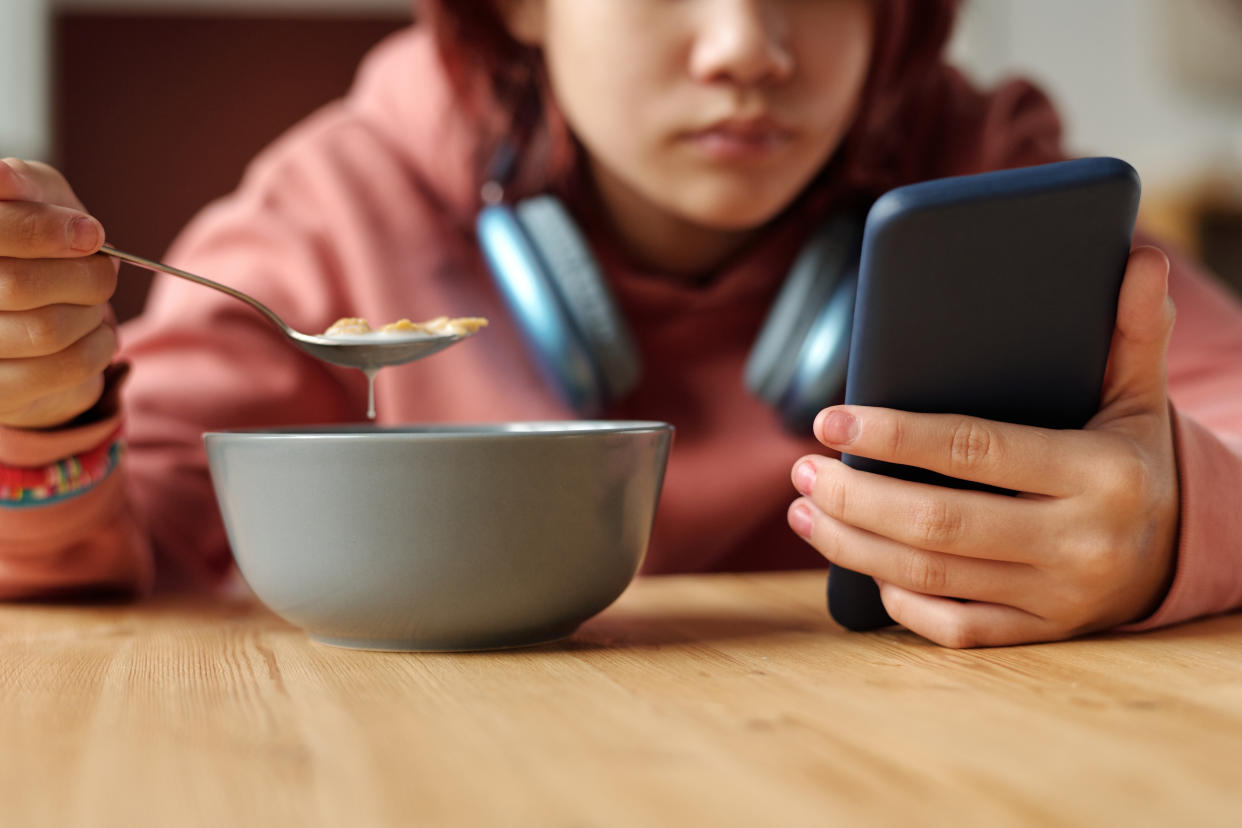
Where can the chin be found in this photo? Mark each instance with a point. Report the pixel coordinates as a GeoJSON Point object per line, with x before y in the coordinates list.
{"type": "Point", "coordinates": [734, 211]}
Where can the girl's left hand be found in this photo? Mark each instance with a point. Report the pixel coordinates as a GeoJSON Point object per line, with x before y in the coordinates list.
{"type": "Point", "coordinates": [1087, 544]}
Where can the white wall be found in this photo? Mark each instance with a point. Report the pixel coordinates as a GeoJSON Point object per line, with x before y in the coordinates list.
{"type": "Point", "coordinates": [1106, 64]}
{"type": "Point", "coordinates": [24, 129]}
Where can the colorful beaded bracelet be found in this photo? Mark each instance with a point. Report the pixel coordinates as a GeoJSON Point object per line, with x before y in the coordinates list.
{"type": "Point", "coordinates": [70, 477]}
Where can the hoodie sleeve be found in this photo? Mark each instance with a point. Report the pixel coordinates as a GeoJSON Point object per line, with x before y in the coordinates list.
{"type": "Point", "coordinates": [1205, 386]}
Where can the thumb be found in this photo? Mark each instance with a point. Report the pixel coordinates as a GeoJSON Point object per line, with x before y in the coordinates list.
{"type": "Point", "coordinates": [1134, 380]}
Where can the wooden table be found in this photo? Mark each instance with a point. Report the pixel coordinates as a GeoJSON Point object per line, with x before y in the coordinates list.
{"type": "Point", "coordinates": [693, 701]}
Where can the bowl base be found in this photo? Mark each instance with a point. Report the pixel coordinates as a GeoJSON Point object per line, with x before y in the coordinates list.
{"type": "Point", "coordinates": [527, 638]}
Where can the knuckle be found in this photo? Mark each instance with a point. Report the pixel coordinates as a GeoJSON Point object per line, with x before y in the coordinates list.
{"type": "Point", "coordinates": [107, 345]}
{"type": "Point", "coordinates": [98, 277]}
{"type": "Point", "coordinates": [1131, 468]}
{"type": "Point", "coordinates": [82, 396]}
{"type": "Point", "coordinates": [971, 445]}
{"type": "Point", "coordinates": [959, 634]}
{"type": "Point", "coordinates": [44, 330]}
{"type": "Point", "coordinates": [19, 388]}
{"type": "Point", "coordinates": [53, 328]}
{"type": "Point", "coordinates": [66, 368]}
{"type": "Point", "coordinates": [1100, 559]}
{"type": "Point", "coordinates": [12, 292]}
{"type": "Point", "coordinates": [1125, 475]}
{"type": "Point", "coordinates": [85, 358]}
{"type": "Point", "coordinates": [1090, 564]}
{"type": "Point", "coordinates": [832, 494]}
{"type": "Point", "coordinates": [926, 573]}
{"type": "Point", "coordinates": [823, 537]}
{"type": "Point", "coordinates": [23, 284]}
{"type": "Point", "coordinates": [27, 284]}
{"type": "Point", "coordinates": [896, 435]}
{"type": "Point", "coordinates": [30, 229]}
{"type": "Point", "coordinates": [935, 523]}
{"type": "Point", "coordinates": [79, 366]}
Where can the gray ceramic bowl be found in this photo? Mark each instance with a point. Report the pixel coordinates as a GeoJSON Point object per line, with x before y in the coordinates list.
{"type": "Point", "coordinates": [440, 537]}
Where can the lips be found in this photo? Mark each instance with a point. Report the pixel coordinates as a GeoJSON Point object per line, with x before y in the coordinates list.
{"type": "Point", "coordinates": [740, 138]}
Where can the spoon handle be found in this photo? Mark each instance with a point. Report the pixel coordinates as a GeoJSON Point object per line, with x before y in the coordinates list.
{"type": "Point", "coordinates": [184, 274]}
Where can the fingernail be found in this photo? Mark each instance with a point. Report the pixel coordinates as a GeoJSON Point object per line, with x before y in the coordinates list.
{"type": "Point", "coordinates": [839, 427]}
{"type": "Point", "coordinates": [84, 233]}
{"type": "Point", "coordinates": [800, 519]}
{"type": "Point", "coordinates": [804, 477]}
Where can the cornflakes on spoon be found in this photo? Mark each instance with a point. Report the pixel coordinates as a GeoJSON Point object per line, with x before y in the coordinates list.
{"type": "Point", "coordinates": [351, 327]}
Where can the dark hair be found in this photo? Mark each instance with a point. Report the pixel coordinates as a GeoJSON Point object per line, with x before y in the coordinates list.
{"type": "Point", "coordinates": [502, 85]}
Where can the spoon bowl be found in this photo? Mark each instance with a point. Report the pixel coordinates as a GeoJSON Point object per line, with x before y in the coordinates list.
{"type": "Point", "coordinates": [368, 353]}
{"type": "Point", "coordinates": [371, 353]}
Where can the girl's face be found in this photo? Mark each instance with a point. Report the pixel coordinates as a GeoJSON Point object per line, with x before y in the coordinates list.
{"type": "Point", "coordinates": [715, 112]}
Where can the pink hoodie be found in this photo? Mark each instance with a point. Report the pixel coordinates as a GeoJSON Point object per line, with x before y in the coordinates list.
{"type": "Point", "coordinates": [365, 210]}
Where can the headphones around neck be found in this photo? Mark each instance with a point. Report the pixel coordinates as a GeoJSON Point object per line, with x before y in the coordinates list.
{"type": "Point", "coordinates": [561, 302]}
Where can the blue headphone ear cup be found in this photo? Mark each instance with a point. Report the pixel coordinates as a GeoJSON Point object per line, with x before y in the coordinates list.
{"type": "Point", "coordinates": [584, 291]}
{"type": "Point", "coordinates": [520, 272]}
{"type": "Point", "coordinates": [798, 361]}
{"type": "Point", "coordinates": [822, 361]}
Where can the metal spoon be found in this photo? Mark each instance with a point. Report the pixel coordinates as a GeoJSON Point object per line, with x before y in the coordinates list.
{"type": "Point", "coordinates": [368, 354]}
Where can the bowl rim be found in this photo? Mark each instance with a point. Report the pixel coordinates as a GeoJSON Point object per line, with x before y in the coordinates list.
{"type": "Point", "coordinates": [441, 431]}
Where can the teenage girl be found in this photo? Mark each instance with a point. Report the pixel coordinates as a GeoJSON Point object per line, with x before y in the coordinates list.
{"type": "Point", "coordinates": [696, 147]}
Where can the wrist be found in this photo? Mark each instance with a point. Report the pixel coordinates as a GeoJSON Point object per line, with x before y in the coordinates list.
{"type": "Point", "coordinates": [61, 479]}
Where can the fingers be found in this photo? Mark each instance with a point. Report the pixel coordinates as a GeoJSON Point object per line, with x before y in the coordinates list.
{"type": "Point", "coordinates": [59, 407]}
{"type": "Point", "coordinates": [1136, 359]}
{"type": "Point", "coordinates": [46, 330]}
{"type": "Point", "coordinates": [32, 283]}
{"type": "Point", "coordinates": [56, 337]}
{"type": "Point", "coordinates": [33, 230]}
{"type": "Point", "coordinates": [961, 625]}
{"type": "Point", "coordinates": [935, 518]}
{"type": "Point", "coordinates": [40, 217]}
{"type": "Point", "coordinates": [33, 378]}
{"type": "Point", "coordinates": [1016, 457]}
{"type": "Point", "coordinates": [934, 573]}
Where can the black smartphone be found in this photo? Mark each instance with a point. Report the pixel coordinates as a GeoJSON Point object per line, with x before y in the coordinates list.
{"type": "Point", "coordinates": [990, 295]}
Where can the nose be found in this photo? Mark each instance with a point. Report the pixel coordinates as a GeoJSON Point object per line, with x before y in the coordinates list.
{"type": "Point", "coordinates": [743, 42]}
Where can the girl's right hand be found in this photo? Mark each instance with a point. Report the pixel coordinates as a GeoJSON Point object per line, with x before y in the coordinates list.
{"type": "Point", "coordinates": [56, 329]}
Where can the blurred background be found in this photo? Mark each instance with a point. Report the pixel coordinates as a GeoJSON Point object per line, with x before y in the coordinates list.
{"type": "Point", "coordinates": [153, 107]}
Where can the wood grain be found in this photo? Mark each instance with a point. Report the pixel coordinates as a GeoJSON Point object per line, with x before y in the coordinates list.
{"type": "Point", "coordinates": [695, 700]}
